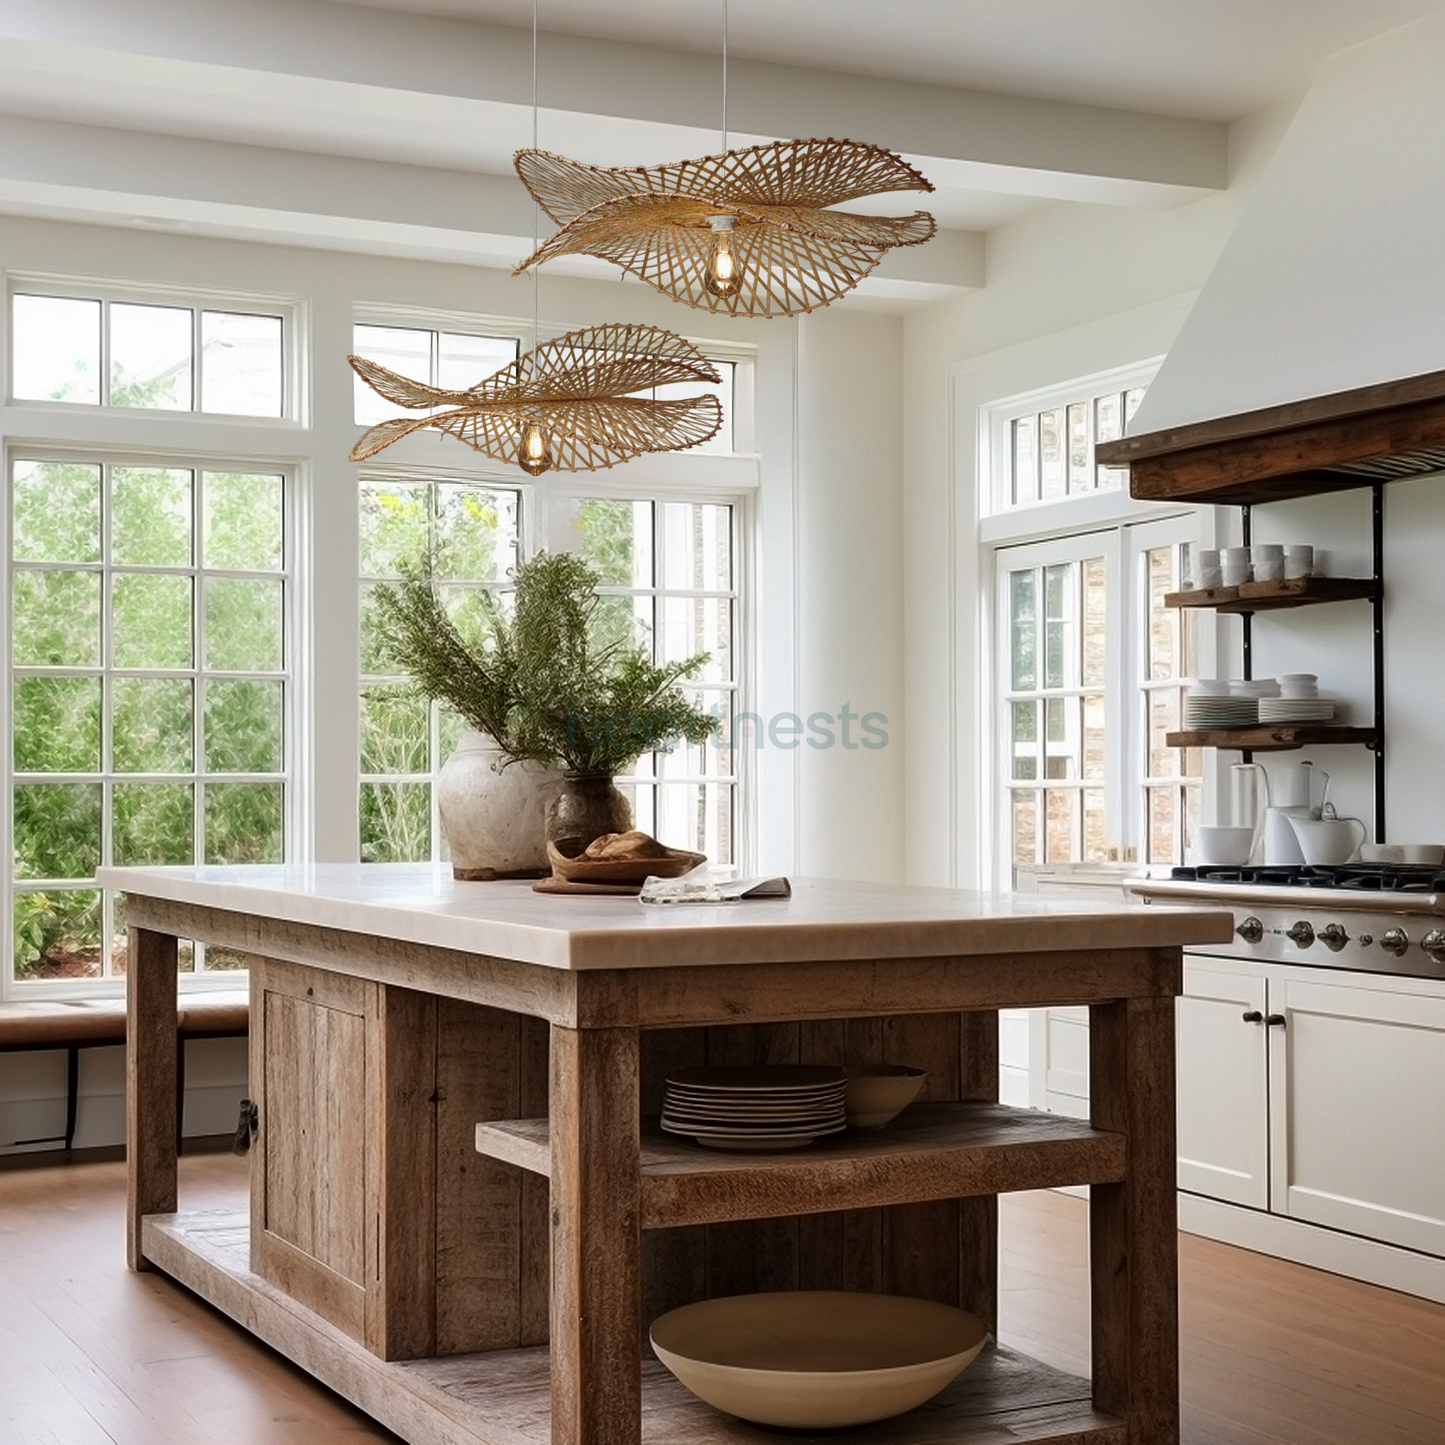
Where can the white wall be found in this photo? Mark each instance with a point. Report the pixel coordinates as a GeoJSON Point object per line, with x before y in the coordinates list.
{"type": "Point", "coordinates": [850, 588]}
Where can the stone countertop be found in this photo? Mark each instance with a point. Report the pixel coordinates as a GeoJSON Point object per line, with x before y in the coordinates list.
{"type": "Point", "coordinates": [822, 921]}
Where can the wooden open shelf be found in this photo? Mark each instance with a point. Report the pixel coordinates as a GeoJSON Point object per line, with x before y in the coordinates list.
{"type": "Point", "coordinates": [931, 1151]}
{"type": "Point", "coordinates": [503, 1397]}
{"type": "Point", "coordinates": [1272, 737]}
{"type": "Point", "coordinates": [1275, 596]}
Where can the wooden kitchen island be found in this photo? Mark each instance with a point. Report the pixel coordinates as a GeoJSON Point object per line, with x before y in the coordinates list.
{"type": "Point", "coordinates": [463, 1219]}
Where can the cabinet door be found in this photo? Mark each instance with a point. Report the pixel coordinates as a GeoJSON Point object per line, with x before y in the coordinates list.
{"type": "Point", "coordinates": [1223, 1101]}
{"type": "Point", "coordinates": [309, 1196]}
{"type": "Point", "coordinates": [1358, 1095]}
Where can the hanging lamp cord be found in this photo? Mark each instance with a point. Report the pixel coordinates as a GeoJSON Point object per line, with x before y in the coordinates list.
{"type": "Point", "coordinates": [536, 219]}
{"type": "Point", "coordinates": [725, 74]}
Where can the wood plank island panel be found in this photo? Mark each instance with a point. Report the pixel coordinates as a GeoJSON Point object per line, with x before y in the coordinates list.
{"type": "Point", "coordinates": [931, 1152]}
{"type": "Point", "coordinates": [502, 1397]}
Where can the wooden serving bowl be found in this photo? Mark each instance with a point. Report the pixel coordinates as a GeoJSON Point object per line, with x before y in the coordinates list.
{"type": "Point", "coordinates": [816, 1359]}
{"type": "Point", "coordinates": [567, 863]}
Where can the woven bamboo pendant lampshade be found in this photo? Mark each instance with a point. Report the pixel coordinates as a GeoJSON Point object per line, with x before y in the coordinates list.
{"type": "Point", "coordinates": [576, 395]}
{"type": "Point", "coordinates": [788, 252]}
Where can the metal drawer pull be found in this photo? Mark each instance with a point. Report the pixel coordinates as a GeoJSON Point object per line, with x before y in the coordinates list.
{"type": "Point", "coordinates": [1274, 1021]}
{"type": "Point", "coordinates": [1253, 1017]}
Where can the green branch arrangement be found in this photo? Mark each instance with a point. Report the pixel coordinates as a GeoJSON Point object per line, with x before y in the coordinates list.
{"type": "Point", "coordinates": [537, 680]}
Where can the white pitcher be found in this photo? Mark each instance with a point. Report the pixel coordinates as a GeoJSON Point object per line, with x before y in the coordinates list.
{"type": "Point", "coordinates": [1328, 840]}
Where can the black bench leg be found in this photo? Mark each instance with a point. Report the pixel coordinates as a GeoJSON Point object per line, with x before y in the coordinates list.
{"type": "Point", "coordinates": [72, 1092]}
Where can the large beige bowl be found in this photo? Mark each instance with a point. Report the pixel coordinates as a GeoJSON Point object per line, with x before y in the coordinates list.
{"type": "Point", "coordinates": [879, 1092]}
{"type": "Point", "coordinates": [816, 1359]}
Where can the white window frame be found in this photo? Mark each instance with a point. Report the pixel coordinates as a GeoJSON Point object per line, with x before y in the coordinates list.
{"type": "Point", "coordinates": [294, 830]}
{"type": "Point", "coordinates": [294, 326]}
{"type": "Point", "coordinates": [1045, 530]}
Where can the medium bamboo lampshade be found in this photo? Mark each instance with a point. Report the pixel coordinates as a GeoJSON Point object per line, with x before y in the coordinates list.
{"type": "Point", "coordinates": [579, 390]}
{"type": "Point", "coordinates": [791, 253]}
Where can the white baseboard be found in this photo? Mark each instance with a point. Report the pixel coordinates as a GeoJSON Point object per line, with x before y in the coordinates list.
{"type": "Point", "coordinates": [1347, 1254]}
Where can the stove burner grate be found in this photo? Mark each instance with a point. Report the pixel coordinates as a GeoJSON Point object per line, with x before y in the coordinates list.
{"type": "Point", "coordinates": [1359, 877]}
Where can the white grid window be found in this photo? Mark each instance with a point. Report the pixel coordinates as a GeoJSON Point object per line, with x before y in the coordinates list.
{"type": "Point", "coordinates": [466, 537]}
{"type": "Point", "coordinates": [148, 680]}
{"type": "Point", "coordinates": [668, 574]}
{"type": "Point", "coordinates": [147, 354]}
{"type": "Point", "coordinates": [669, 583]}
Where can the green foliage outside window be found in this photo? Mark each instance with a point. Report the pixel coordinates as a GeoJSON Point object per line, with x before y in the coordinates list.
{"type": "Point", "coordinates": [168, 791]}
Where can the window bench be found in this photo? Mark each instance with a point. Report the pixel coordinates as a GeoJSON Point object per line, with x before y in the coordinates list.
{"type": "Point", "coordinates": [75, 1024]}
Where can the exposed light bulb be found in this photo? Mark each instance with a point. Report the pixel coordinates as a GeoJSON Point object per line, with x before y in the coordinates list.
{"type": "Point", "coordinates": [721, 276]}
{"type": "Point", "coordinates": [534, 455]}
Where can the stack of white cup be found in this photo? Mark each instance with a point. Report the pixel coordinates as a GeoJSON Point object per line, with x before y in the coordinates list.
{"type": "Point", "coordinates": [1234, 566]}
{"type": "Point", "coordinates": [1299, 560]}
{"type": "Point", "coordinates": [1266, 561]}
{"type": "Point", "coordinates": [1206, 569]}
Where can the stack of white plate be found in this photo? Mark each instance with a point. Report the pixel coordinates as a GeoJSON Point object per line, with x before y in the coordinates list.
{"type": "Point", "coordinates": [1296, 709]}
{"type": "Point", "coordinates": [771, 1106]}
{"type": "Point", "coordinates": [1205, 711]}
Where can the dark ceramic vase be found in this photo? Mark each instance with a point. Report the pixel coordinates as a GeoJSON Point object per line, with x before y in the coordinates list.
{"type": "Point", "coordinates": [588, 806]}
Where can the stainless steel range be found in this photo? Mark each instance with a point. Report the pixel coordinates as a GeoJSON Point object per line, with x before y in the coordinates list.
{"type": "Point", "coordinates": [1374, 918]}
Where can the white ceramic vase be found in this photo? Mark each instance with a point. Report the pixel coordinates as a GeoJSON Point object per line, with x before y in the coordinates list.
{"type": "Point", "coordinates": [494, 816]}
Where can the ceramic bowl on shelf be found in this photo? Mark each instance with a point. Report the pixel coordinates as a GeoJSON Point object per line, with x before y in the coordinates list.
{"type": "Point", "coordinates": [879, 1092]}
{"type": "Point", "coordinates": [816, 1359]}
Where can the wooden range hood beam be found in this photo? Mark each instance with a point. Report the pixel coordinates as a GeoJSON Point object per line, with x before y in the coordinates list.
{"type": "Point", "coordinates": [1326, 443]}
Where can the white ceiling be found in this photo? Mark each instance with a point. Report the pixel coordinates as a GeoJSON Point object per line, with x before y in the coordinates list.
{"type": "Point", "coordinates": [1208, 59]}
{"type": "Point", "coordinates": [388, 125]}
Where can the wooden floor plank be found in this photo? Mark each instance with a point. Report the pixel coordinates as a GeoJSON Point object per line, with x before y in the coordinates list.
{"type": "Point", "coordinates": [1273, 1353]}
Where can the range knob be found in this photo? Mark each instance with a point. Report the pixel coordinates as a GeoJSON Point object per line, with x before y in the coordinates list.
{"type": "Point", "coordinates": [1434, 944]}
{"type": "Point", "coordinates": [1251, 930]}
{"type": "Point", "coordinates": [1334, 937]}
{"type": "Point", "coordinates": [1302, 934]}
{"type": "Point", "coordinates": [1395, 940]}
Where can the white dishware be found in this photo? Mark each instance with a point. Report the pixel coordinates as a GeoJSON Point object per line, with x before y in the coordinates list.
{"type": "Point", "coordinates": [816, 1359]}
{"type": "Point", "coordinates": [1329, 840]}
{"type": "Point", "coordinates": [1280, 846]}
{"type": "Point", "coordinates": [1223, 843]}
{"type": "Point", "coordinates": [1266, 562]}
{"type": "Point", "coordinates": [1234, 566]}
{"type": "Point", "coordinates": [1206, 568]}
{"type": "Point", "coordinates": [1296, 709]}
{"type": "Point", "coordinates": [1299, 560]}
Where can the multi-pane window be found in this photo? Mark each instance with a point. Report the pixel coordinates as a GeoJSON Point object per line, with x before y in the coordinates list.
{"type": "Point", "coordinates": [467, 538]}
{"type": "Point", "coordinates": [1055, 708]}
{"type": "Point", "coordinates": [156, 355]}
{"type": "Point", "coordinates": [454, 360]}
{"type": "Point", "coordinates": [669, 584]}
{"type": "Point", "coordinates": [148, 681]}
{"type": "Point", "coordinates": [1048, 451]}
{"type": "Point", "coordinates": [1172, 776]}
{"type": "Point", "coordinates": [1093, 671]}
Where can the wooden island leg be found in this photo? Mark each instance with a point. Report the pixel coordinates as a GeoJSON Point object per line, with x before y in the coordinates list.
{"type": "Point", "coordinates": [596, 1287]}
{"type": "Point", "coordinates": [979, 1214]}
{"type": "Point", "coordinates": [150, 1083]}
{"type": "Point", "coordinates": [1133, 1226]}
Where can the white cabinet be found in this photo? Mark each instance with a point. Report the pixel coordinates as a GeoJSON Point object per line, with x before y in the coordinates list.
{"type": "Point", "coordinates": [1223, 1089]}
{"type": "Point", "coordinates": [1324, 1105]}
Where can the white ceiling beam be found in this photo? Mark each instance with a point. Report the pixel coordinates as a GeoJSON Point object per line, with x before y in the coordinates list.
{"type": "Point", "coordinates": [75, 172]}
{"type": "Point", "coordinates": [454, 92]}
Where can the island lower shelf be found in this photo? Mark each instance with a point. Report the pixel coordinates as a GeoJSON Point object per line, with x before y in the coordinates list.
{"type": "Point", "coordinates": [503, 1397]}
{"type": "Point", "coordinates": [931, 1151]}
